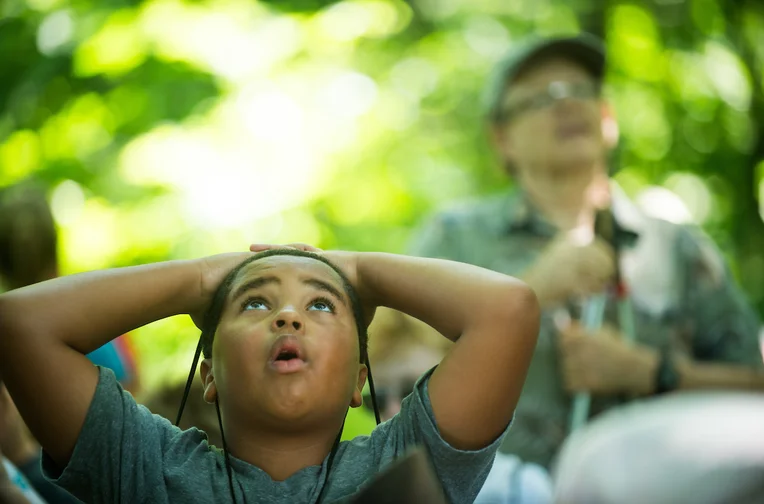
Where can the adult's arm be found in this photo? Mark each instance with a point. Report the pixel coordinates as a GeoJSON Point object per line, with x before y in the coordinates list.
{"type": "Point", "coordinates": [723, 324]}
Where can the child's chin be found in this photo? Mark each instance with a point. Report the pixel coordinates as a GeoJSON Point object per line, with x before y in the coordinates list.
{"type": "Point", "coordinates": [302, 413]}
{"type": "Point", "coordinates": [296, 410]}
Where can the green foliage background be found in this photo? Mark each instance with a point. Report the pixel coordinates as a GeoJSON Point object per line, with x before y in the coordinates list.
{"type": "Point", "coordinates": [170, 129]}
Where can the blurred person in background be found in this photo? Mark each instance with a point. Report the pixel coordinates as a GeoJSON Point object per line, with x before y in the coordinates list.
{"type": "Point", "coordinates": [28, 255]}
{"type": "Point", "coordinates": [401, 349]}
{"type": "Point", "coordinates": [15, 488]}
{"type": "Point", "coordinates": [554, 135]}
{"type": "Point", "coordinates": [164, 401]}
{"type": "Point", "coordinates": [691, 448]}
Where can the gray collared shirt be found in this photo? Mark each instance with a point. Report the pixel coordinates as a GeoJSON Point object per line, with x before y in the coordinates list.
{"type": "Point", "coordinates": [683, 296]}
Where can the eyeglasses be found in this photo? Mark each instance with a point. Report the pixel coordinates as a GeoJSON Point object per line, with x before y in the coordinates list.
{"type": "Point", "coordinates": [555, 91]}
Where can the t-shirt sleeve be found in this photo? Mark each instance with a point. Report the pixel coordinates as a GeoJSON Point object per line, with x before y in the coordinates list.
{"type": "Point", "coordinates": [119, 449]}
{"type": "Point", "coordinates": [461, 472]}
{"type": "Point", "coordinates": [725, 325]}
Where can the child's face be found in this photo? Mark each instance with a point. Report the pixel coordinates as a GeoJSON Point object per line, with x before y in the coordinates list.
{"type": "Point", "coordinates": [286, 348]}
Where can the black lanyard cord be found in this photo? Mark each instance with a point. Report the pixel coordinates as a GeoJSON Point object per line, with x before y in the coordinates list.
{"type": "Point", "coordinates": [229, 470]}
{"type": "Point", "coordinates": [225, 452]}
{"type": "Point", "coordinates": [189, 381]}
{"type": "Point", "coordinates": [373, 392]}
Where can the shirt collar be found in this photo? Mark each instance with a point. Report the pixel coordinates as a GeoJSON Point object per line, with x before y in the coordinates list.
{"type": "Point", "coordinates": [517, 213]}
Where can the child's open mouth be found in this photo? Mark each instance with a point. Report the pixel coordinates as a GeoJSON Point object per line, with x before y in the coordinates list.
{"type": "Point", "coordinates": [287, 355]}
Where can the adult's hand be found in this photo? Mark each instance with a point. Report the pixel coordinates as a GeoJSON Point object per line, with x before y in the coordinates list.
{"type": "Point", "coordinates": [604, 363]}
{"type": "Point", "coordinates": [566, 269]}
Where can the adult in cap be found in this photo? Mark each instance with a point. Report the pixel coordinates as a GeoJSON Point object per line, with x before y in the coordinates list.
{"type": "Point", "coordinates": [555, 134]}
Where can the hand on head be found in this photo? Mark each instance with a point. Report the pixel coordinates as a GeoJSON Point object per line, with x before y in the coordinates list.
{"type": "Point", "coordinates": [212, 272]}
{"type": "Point", "coordinates": [345, 261]}
{"type": "Point", "coordinates": [214, 269]}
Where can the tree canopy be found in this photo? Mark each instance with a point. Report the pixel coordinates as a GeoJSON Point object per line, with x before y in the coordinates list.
{"type": "Point", "coordinates": [175, 129]}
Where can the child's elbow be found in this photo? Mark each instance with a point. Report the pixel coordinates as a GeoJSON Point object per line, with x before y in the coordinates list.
{"type": "Point", "coordinates": [521, 308]}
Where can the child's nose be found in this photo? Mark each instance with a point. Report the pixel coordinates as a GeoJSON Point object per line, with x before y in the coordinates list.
{"type": "Point", "coordinates": [287, 319]}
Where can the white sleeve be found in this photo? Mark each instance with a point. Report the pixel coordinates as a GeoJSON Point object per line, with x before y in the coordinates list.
{"type": "Point", "coordinates": [21, 483]}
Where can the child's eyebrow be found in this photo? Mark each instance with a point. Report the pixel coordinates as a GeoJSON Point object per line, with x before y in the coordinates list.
{"type": "Point", "coordinates": [254, 284]}
{"type": "Point", "coordinates": [325, 286]}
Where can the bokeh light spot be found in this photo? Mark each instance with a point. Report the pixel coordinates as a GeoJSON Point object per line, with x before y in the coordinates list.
{"type": "Point", "coordinates": [351, 19]}
{"type": "Point", "coordinates": [486, 36]}
{"type": "Point", "coordinates": [55, 31]}
{"type": "Point", "coordinates": [67, 202]}
{"type": "Point", "coordinates": [43, 5]}
{"type": "Point", "coordinates": [271, 116]}
{"type": "Point", "coordinates": [634, 45]}
{"type": "Point", "coordinates": [417, 77]}
{"type": "Point", "coordinates": [96, 237]}
{"type": "Point", "coordinates": [693, 192]}
{"type": "Point", "coordinates": [731, 79]}
{"type": "Point", "coordinates": [350, 95]}
{"type": "Point", "coordinates": [661, 203]}
{"type": "Point", "coordinates": [20, 155]}
{"type": "Point", "coordinates": [116, 48]}
{"type": "Point", "coordinates": [642, 119]}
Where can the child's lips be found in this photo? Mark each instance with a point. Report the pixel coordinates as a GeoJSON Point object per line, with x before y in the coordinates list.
{"type": "Point", "coordinates": [287, 355]}
{"type": "Point", "coordinates": [288, 366]}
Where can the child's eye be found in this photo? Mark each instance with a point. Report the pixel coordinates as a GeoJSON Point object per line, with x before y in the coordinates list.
{"type": "Point", "coordinates": [323, 305]}
{"type": "Point", "coordinates": [254, 304]}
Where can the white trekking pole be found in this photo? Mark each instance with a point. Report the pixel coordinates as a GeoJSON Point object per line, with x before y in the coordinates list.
{"type": "Point", "coordinates": [591, 318]}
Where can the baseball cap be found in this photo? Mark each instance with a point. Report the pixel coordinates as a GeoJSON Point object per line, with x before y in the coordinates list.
{"type": "Point", "coordinates": [585, 49]}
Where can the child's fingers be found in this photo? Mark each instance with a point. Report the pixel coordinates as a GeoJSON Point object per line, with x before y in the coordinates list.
{"type": "Point", "coordinates": [305, 247]}
{"type": "Point", "coordinates": [259, 247]}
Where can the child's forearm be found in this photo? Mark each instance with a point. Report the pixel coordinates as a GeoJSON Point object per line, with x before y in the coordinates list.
{"type": "Point", "coordinates": [451, 297]}
{"type": "Point", "coordinates": [87, 310]}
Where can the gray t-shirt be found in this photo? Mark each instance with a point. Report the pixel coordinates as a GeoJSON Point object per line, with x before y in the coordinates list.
{"type": "Point", "coordinates": [126, 454]}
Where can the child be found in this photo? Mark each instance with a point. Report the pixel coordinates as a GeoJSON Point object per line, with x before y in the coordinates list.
{"type": "Point", "coordinates": [15, 488]}
{"type": "Point", "coordinates": [29, 254]}
{"type": "Point", "coordinates": [284, 338]}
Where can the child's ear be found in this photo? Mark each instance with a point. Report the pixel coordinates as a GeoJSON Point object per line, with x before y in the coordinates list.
{"type": "Point", "coordinates": [208, 379]}
{"type": "Point", "coordinates": [357, 399]}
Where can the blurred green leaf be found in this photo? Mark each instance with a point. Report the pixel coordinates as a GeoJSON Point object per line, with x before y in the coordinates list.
{"type": "Point", "coordinates": [173, 129]}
